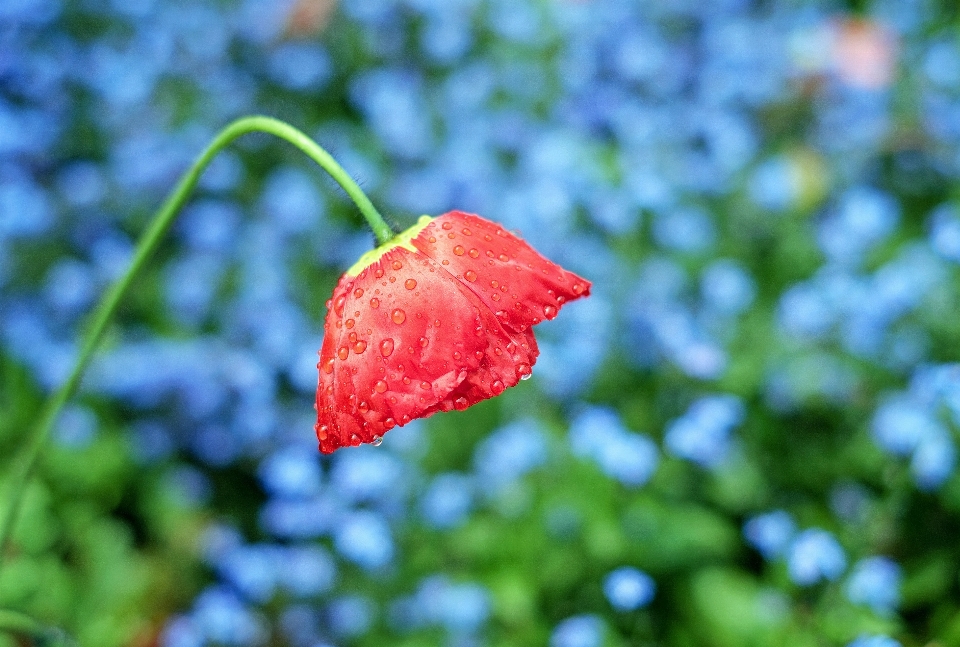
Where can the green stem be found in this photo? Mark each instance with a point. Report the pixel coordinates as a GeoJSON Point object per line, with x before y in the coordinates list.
{"type": "Point", "coordinates": [30, 451]}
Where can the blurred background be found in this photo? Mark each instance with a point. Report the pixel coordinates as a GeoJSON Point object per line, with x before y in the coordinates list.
{"type": "Point", "coordinates": [746, 435]}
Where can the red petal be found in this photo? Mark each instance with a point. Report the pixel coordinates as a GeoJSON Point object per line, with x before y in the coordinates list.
{"type": "Point", "coordinates": [518, 284]}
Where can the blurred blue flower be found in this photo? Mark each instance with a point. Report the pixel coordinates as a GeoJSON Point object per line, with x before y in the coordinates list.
{"type": "Point", "coordinates": [222, 618]}
{"type": "Point", "coordinates": [510, 452]}
{"type": "Point", "coordinates": [364, 538]}
{"type": "Point", "coordinates": [863, 218]}
{"type": "Point", "coordinates": [350, 616]}
{"type": "Point", "coordinates": [300, 519]}
{"type": "Point", "coordinates": [292, 200]}
{"type": "Point", "coordinates": [448, 499]}
{"type": "Point", "coordinates": [702, 434]}
{"type": "Point", "coordinates": [300, 66]}
{"type": "Point", "coordinates": [770, 533]}
{"type": "Point", "coordinates": [727, 287]}
{"type": "Point", "coordinates": [181, 631]}
{"type": "Point", "coordinates": [306, 570]}
{"type": "Point", "coordinates": [26, 210]}
{"type": "Point", "coordinates": [874, 641]}
{"type": "Point", "coordinates": [291, 471]}
{"type": "Point", "coordinates": [76, 427]}
{"type": "Point", "coordinates": [628, 588]}
{"type": "Point", "coordinates": [254, 570]}
{"type": "Point", "coordinates": [366, 474]}
{"type": "Point", "coordinates": [775, 184]}
{"type": "Point", "coordinates": [875, 582]}
{"type": "Point", "coordinates": [815, 554]}
{"type": "Point", "coordinates": [578, 631]}
{"type": "Point", "coordinates": [598, 433]}
{"type": "Point", "coordinates": [945, 231]}
{"type": "Point", "coordinates": [685, 229]}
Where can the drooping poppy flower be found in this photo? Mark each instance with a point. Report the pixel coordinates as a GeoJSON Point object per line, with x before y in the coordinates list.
{"type": "Point", "coordinates": [438, 318]}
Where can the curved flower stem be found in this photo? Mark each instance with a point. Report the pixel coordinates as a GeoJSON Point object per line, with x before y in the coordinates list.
{"type": "Point", "coordinates": [29, 453]}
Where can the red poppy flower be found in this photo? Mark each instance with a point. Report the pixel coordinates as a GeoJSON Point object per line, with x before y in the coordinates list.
{"type": "Point", "coordinates": [437, 319]}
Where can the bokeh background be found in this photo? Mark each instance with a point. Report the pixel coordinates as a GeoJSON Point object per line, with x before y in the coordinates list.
{"type": "Point", "coordinates": [745, 436]}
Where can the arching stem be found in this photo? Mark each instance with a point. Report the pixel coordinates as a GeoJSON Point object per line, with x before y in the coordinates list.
{"type": "Point", "coordinates": [29, 453]}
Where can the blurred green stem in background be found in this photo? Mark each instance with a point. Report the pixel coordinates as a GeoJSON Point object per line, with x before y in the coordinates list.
{"type": "Point", "coordinates": [18, 624]}
{"type": "Point", "coordinates": [26, 459]}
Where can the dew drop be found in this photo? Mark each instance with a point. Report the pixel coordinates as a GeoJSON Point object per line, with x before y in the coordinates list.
{"type": "Point", "coordinates": [398, 316]}
{"type": "Point", "coordinates": [379, 273]}
{"type": "Point", "coordinates": [397, 265]}
{"type": "Point", "coordinates": [349, 323]}
{"type": "Point", "coordinates": [459, 250]}
{"type": "Point", "coordinates": [487, 237]}
{"type": "Point", "coordinates": [497, 387]}
{"type": "Point", "coordinates": [436, 322]}
{"type": "Point", "coordinates": [432, 239]}
{"type": "Point", "coordinates": [494, 284]}
{"type": "Point", "coordinates": [404, 419]}
{"type": "Point", "coordinates": [549, 312]}
{"type": "Point", "coordinates": [358, 292]}
{"type": "Point", "coordinates": [386, 347]}
{"type": "Point", "coordinates": [451, 235]}
{"type": "Point", "coordinates": [523, 370]}
{"type": "Point", "coordinates": [526, 377]}
{"type": "Point", "coordinates": [495, 296]}
{"type": "Point", "coordinates": [393, 279]}
{"type": "Point", "coordinates": [460, 403]}
{"type": "Point", "coordinates": [445, 262]}
{"type": "Point", "coordinates": [474, 253]}
{"type": "Point", "coordinates": [467, 232]}
{"type": "Point", "coordinates": [470, 275]}
{"type": "Point", "coordinates": [406, 380]}
{"type": "Point", "coordinates": [376, 441]}
{"type": "Point", "coordinates": [389, 424]}
{"type": "Point", "coordinates": [410, 284]}
{"type": "Point", "coordinates": [425, 386]}
{"type": "Point", "coordinates": [380, 386]}
{"type": "Point", "coordinates": [457, 356]}
{"type": "Point", "coordinates": [327, 365]}
{"type": "Point", "coordinates": [338, 305]}
{"type": "Point", "coordinates": [578, 288]}
{"type": "Point", "coordinates": [363, 407]}
{"type": "Point", "coordinates": [355, 439]}
{"type": "Point", "coordinates": [374, 303]}
{"type": "Point", "coordinates": [447, 226]}
{"type": "Point", "coordinates": [359, 347]}
{"type": "Point", "coordinates": [329, 303]}
{"type": "Point", "coordinates": [343, 353]}
{"type": "Point", "coordinates": [352, 338]}
{"type": "Point", "coordinates": [322, 431]}
{"type": "Point", "coordinates": [478, 354]}
{"type": "Point", "coordinates": [504, 258]}
{"type": "Point", "coordinates": [423, 342]}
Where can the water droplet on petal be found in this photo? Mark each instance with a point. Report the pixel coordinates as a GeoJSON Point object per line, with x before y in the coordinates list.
{"type": "Point", "coordinates": [460, 403]}
{"type": "Point", "coordinates": [386, 347]}
{"type": "Point", "coordinates": [474, 253]}
{"type": "Point", "coordinates": [504, 258]}
{"type": "Point", "coordinates": [457, 356]}
{"type": "Point", "coordinates": [376, 441]}
{"type": "Point", "coordinates": [523, 370]}
{"type": "Point", "coordinates": [478, 354]}
{"type": "Point", "coordinates": [549, 312]}
{"type": "Point", "coordinates": [445, 262]}
{"type": "Point", "coordinates": [359, 347]}
{"type": "Point", "coordinates": [358, 292]}
{"type": "Point", "coordinates": [578, 288]}
{"type": "Point", "coordinates": [338, 305]}
{"type": "Point", "coordinates": [389, 424]}
{"type": "Point", "coordinates": [495, 296]}
{"type": "Point", "coordinates": [379, 273]}
{"type": "Point", "coordinates": [470, 275]}
{"type": "Point", "coordinates": [423, 342]}
{"type": "Point", "coordinates": [380, 386]}
{"type": "Point", "coordinates": [363, 407]}
{"type": "Point", "coordinates": [410, 284]}
{"type": "Point", "coordinates": [526, 377]}
{"type": "Point", "coordinates": [467, 232]}
{"type": "Point", "coordinates": [406, 380]}
{"type": "Point", "coordinates": [327, 365]}
{"type": "Point", "coordinates": [343, 353]}
{"type": "Point", "coordinates": [404, 419]}
{"type": "Point", "coordinates": [349, 323]}
{"type": "Point", "coordinates": [398, 316]}
{"type": "Point", "coordinates": [397, 265]}
{"type": "Point", "coordinates": [322, 432]}
{"type": "Point", "coordinates": [424, 385]}
{"type": "Point", "coordinates": [459, 250]}
{"type": "Point", "coordinates": [497, 387]}
{"type": "Point", "coordinates": [447, 226]}
{"type": "Point", "coordinates": [494, 284]}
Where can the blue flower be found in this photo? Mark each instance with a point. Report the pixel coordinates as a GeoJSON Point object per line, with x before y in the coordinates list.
{"type": "Point", "coordinates": [578, 631]}
{"type": "Point", "coordinates": [598, 434]}
{"type": "Point", "coordinates": [873, 641]}
{"type": "Point", "coordinates": [814, 555]}
{"type": "Point", "coordinates": [770, 533]}
{"type": "Point", "coordinates": [702, 434]}
{"type": "Point", "coordinates": [292, 471]}
{"type": "Point", "coordinates": [350, 616]}
{"type": "Point", "coordinates": [875, 582]}
{"type": "Point", "coordinates": [222, 618]}
{"type": "Point", "coordinates": [628, 588]}
{"type": "Point", "coordinates": [364, 538]}
{"type": "Point", "coordinates": [447, 501]}
{"type": "Point", "coordinates": [510, 452]}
